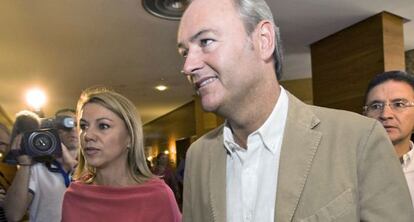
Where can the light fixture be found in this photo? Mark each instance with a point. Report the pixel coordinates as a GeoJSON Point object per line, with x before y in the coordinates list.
{"type": "Point", "coordinates": [35, 98]}
{"type": "Point", "coordinates": [166, 9]}
{"type": "Point", "coordinates": [161, 87]}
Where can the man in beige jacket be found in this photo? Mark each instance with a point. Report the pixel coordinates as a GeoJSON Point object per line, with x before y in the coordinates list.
{"type": "Point", "coordinates": [275, 158]}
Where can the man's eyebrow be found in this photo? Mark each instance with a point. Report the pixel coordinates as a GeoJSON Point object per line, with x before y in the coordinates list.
{"type": "Point", "coordinates": [375, 101]}
{"type": "Point", "coordinates": [194, 37]}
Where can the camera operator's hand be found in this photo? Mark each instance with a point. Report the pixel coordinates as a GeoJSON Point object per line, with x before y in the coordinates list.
{"type": "Point", "coordinates": [24, 160]}
{"type": "Point", "coordinates": [18, 196]}
{"type": "Point", "coordinates": [69, 157]}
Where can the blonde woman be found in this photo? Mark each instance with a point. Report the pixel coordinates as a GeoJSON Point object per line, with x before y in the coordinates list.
{"type": "Point", "coordinates": [112, 180]}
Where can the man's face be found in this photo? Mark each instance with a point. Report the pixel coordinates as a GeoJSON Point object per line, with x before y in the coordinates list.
{"type": "Point", "coordinates": [398, 124]}
{"type": "Point", "coordinates": [69, 137]}
{"type": "Point", "coordinates": [220, 58]}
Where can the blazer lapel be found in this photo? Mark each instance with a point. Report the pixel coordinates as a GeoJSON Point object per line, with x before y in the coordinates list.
{"type": "Point", "coordinates": [217, 180]}
{"type": "Point", "coordinates": [299, 146]}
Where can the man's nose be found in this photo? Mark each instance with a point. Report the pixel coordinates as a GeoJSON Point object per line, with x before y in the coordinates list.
{"type": "Point", "coordinates": [386, 112]}
{"type": "Point", "coordinates": [193, 62]}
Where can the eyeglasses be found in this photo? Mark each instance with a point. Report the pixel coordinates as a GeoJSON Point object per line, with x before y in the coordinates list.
{"type": "Point", "coordinates": [376, 108]}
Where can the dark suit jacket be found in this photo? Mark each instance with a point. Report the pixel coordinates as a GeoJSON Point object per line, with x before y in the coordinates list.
{"type": "Point", "coordinates": [334, 166]}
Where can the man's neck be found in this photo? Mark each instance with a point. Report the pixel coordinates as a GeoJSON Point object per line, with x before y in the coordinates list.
{"type": "Point", "coordinates": [243, 125]}
{"type": "Point", "coordinates": [402, 147]}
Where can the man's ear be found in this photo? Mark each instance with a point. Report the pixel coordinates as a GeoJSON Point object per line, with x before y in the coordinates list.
{"type": "Point", "coordinates": [266, 38]}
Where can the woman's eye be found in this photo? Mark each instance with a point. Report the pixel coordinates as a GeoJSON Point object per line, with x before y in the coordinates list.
{"type": "Point", "coordinates": [103, 126]}
{"type": "Point", "coordinates": [82, 126]}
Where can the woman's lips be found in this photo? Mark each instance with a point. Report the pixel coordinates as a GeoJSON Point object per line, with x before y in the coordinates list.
{"type": "Point", "coordinates": [90, 151]}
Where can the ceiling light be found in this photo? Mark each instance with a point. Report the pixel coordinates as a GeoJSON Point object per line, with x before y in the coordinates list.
{"type": "Point", "coordinates": [35, 98]}
{"type": "Point", "coordinates": [161, 87]}
{"type": "Point", "coordinates": [166, 9]}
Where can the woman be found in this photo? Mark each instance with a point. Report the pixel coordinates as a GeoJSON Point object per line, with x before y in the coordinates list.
{"type": "Point", "coordinates": [112, 179]}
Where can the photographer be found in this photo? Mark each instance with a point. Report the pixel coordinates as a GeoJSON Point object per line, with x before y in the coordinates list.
{"type": "Point", "coordinates": [39, 186]}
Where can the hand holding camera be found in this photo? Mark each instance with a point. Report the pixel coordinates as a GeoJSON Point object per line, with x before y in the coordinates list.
{"type": "Point", "coordinates": [23, 160]}
{"type": "Point", "coordinates": [41, 144]}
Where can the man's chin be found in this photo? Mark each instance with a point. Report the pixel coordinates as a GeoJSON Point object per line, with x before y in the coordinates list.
{"type": "Point", "coordinates": [209, 108]}
{"type": "Point", "coordinates": [209, 104]}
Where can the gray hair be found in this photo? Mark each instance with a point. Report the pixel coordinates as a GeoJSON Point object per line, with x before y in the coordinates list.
{"type": "Point", "coordinates": [254, 11]}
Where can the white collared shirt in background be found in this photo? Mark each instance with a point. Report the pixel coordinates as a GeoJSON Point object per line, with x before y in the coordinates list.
{"type": "Point", "coordinates": [408, 168]}
{"type": "Point", "coordinates": [252, 173]}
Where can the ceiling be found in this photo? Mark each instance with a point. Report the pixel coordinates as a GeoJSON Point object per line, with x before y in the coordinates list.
{"type": "Point", "coordinates": [66, 46]}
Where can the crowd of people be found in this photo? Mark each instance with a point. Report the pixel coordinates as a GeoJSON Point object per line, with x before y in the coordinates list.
{"type": "Point", "coordinates": [287, 161]}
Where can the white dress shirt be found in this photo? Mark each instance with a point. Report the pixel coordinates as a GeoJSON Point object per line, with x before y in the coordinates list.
{"type": "Point", "coordinates": [408, 168]}
{"type": "Point", "coordinates": [252, 172]}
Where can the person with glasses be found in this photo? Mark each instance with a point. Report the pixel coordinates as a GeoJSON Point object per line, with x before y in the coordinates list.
{"type": "Point", "coordinates": [38, 187]}
{"type": "Point", "coordinates": [390, 99]}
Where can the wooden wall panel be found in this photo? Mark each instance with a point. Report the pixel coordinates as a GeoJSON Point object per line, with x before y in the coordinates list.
{"type": "Point", "coordinates": [344, 63]}
{"type": "Point", "coordinates": [301, 88]}
{"type": "Point", "coordinates": [409, 61]}
{"type": "Point", "coordinates": [162, 133]}
{"type": "Point", "coordinates": [205, 121]}
{"type": "Point", "coordinates": [393, 34]}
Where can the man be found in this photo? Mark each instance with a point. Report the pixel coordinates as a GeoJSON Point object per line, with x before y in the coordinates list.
{"type": "Point", "coordinates": [275, 158]}
{"type": "Point", "coordinates": [39, 186]}
{"type": "Point", "coordinates": [390, 100]}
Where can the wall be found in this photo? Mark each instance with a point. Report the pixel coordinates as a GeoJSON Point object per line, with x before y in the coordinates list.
{"type": "Point", "coordinates": [162, 133]}
{"type": "Point", "coordinates": [409, 61]}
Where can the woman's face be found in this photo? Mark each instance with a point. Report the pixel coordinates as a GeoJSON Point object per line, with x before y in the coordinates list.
{"type": "Point", "coordinates": [104, 137]}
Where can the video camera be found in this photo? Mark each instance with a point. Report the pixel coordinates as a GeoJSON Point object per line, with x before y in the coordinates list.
{"type": "Point", "coordinates": [43, 143]}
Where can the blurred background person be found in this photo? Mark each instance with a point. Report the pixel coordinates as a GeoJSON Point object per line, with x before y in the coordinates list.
{"type": "Point", "coordinates": [163, 169]}
{"type": "Point", "coordinates": [390, 99]}
{"type": "Point", "coordinates": [38, 186]}
{"type": "Point", "coordinates": [6, 171]}
{"type": "Point", "coordinates": [113, 181]}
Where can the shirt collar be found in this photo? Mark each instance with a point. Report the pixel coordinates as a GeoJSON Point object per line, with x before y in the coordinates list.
{"type": "Point", "coordinates": [408, 157]}
{"type": "Point", "coordinates": [271, 132]}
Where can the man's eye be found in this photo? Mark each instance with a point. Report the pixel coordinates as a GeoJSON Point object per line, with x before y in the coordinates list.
{"type": "Point", "coordinates": [205, 42]}
{"type": "Point", "coordinates": [183, 53]}
{"type": "Point", "coordinates": [398, 104]}
{"type": "Point", "coordinates": [376, 106]}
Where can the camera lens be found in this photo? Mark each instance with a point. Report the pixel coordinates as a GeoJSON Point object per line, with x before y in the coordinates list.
{"type": "Point", "coordinates": [42, 142]}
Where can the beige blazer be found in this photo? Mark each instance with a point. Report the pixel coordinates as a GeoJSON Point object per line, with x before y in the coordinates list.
{"type": "Point", "coordinates": [334, 166]}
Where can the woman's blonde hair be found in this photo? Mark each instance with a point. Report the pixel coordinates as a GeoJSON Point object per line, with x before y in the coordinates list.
{"type": "Point", "coordinates": [126, 110]}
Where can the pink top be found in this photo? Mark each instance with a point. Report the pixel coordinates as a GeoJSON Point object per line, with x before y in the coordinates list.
{"type": "Point", "coordinates": [152, 202]}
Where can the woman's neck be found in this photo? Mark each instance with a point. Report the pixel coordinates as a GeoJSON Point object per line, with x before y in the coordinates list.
{"type": "Point", "coordinates": [114, 177]}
